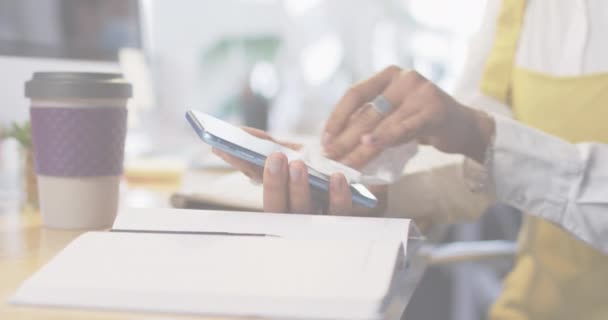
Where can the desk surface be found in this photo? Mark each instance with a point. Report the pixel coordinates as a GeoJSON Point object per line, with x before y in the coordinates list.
{"type": "Point", "coordinates": [25, 246]}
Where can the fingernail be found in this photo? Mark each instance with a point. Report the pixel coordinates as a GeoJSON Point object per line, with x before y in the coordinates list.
{"type": "Point", "coordinates": [275, 164]}
{"type": "Point", "coordinates": [326, 139]}
{"type": "Point", "coordinates": [294, 174]}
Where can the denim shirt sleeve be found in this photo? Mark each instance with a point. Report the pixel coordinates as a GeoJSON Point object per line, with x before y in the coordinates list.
{"type": "Point", "coordinates": [545, 176]}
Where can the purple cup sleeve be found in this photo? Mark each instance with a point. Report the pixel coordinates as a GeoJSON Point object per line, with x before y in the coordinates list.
{"type": "Point", "coordinates": [78, 142]}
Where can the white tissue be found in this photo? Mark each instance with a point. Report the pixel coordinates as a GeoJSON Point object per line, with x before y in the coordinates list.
{"type": "Point", "coordinates": [384, 169]}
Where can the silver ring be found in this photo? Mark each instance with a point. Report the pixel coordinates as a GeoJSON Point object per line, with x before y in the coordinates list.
{"type": "Point", "coordinates": [382, 105]}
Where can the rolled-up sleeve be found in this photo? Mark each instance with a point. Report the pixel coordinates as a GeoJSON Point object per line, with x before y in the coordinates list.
{"type": "Point", "coordinates": [550, 178]}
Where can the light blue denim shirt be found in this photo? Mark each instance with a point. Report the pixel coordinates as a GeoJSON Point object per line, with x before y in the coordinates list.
{"type": "Point", "coordinates": [545, 176]}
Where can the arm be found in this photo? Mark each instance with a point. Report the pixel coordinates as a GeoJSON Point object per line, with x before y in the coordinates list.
{"type": "Point", "coordinates": [536, 172]}
{"type": "Point", "coordinates": [437, 192]}
{"type": "Point", "coordinates": [432, 190]}
{"type": "Point", "coordinates": [547, 177]}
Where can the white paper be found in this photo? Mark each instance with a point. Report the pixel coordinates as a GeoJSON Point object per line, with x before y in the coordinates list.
{"type": "Point", "coordinates": [218, 275]}
{"type": "Point", "coordinates": [308, 267]}
{"type": "Point", "coordinates": [293, 226]}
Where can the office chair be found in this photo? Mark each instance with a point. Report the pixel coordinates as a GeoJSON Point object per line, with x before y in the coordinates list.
{"type": "Point", "coordinates": [476, 266]}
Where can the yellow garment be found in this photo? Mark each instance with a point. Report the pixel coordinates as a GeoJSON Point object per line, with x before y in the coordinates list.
{"type": "Point", "coordinates": [496, 78]}
{"type": "Point", "coordinates": [555, 275]}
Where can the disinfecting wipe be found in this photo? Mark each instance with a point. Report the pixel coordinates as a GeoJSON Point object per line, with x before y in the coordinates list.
{"type": "Point", "coordinates": [384, 169]}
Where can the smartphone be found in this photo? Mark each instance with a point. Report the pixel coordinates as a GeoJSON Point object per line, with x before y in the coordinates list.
{"type": "Point", "coordinates": [237, 142]}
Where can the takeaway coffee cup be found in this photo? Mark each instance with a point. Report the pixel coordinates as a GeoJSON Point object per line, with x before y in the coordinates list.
{"type": "Point", "coordinates": [78, 133]}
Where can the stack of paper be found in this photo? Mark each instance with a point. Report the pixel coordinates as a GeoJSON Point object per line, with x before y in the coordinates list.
{"type": "Point", "coordinates": [234, 264]}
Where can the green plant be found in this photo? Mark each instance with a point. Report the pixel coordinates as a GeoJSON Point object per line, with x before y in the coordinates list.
{"type": "Point", "coordinates": [253, 48]}
{"type": "Point", "coordinates": [21, 133]}
{"type": "Point", "coordinates": [243, 51]}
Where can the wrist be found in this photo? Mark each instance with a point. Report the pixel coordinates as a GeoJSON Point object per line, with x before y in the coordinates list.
{"type": "Point", "coordinates": [487, 130]}
{"type": "Point", "coordinates": [478, 131]}
{"type": "Point", "coordinates": [463, 131]}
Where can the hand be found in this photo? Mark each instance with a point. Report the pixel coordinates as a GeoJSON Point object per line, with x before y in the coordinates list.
{"type": "Point", "coordinates": [251, 170]}
{"type": "Point", "coordinates": [356, 132]}
{"type": "Point", "coordinates": [286, 187]}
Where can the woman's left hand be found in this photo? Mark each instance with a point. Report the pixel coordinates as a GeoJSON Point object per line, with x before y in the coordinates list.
{"type": "Point", "coordinates": [286, 187]}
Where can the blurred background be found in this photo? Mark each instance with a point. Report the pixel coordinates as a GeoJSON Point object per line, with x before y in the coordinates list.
{"type": "Point", "coordinates": [279, 65]}
{"type": "Point", "coordinates": [289, 59]}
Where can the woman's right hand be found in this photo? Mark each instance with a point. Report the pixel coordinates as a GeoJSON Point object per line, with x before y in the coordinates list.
{"type": "Point", "coordinates": [412, 107]}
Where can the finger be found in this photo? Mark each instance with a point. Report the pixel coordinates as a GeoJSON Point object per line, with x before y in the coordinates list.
{"type": "Point", "coordinates": [264, 135]}
{"type": "Point", "coordinates": [395, 93]}
{"type": "Point", "coordinates": [387, 134]}
{"type": "Point", "coordinates": [354, 98]}
{"type": "Point", "coordinates": [340, 202]}
{"type": "Point", "coordinates": [361, 155]}
{"type": "Point", "coordinates": [401, 87]}
{"type": "Point", "coordinates": [399, 133]}
{"type": "Point", "coordinates": [406, 120]}
{"type": "Point", "coordinates": [249, 169]}
{"type": "Point", "coordinates": [276, 179]}
{"type": "Point", "coordinates": [299, 190]}
{"type": "Point", "coordinates": [363, 122]}
{"type": "Point", "coordinates": [290, 145]}
{"type": "Point", "coordinates": [258, 133]}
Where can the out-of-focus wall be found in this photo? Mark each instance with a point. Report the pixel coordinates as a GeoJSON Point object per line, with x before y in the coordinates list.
{"type": "Point", "coordinates": [325, 47]}
{"type": "Point", "coordinates": [180, 30]}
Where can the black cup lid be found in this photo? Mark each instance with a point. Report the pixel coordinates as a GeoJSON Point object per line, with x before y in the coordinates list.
{"type": "Point", "coordinates": [77, 85]}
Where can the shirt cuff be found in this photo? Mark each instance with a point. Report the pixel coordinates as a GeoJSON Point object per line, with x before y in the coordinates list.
{"type": "Point", "coordinates": [532, 170]}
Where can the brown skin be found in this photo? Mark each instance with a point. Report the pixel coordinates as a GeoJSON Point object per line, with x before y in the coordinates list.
{"type": "Point", "coordinates": [286, 187]}
{"type": "Point", "coordinates": [356, 133]}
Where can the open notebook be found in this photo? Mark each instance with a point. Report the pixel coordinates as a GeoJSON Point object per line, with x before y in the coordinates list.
{"type": "Point", "coordinates": [232, 264]}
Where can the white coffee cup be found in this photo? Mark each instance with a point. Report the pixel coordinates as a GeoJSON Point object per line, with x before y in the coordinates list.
{"type": "Point", "coordinates": [78, 130]}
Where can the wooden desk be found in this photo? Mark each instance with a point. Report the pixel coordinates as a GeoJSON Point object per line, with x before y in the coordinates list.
{"type": "Point", "coordinates": [25, 246]}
